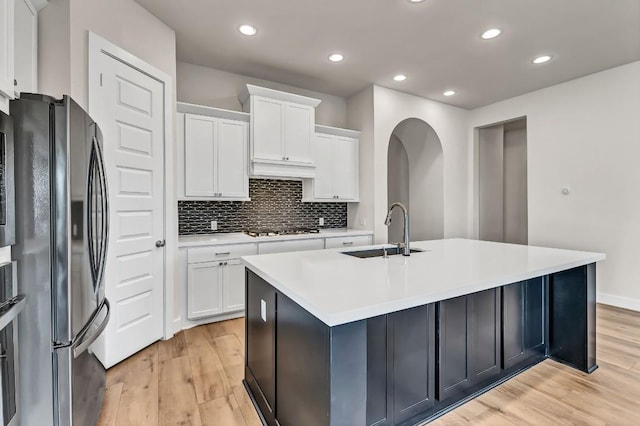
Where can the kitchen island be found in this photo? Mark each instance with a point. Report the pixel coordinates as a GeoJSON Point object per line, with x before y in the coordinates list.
{"type": "Point", "coordinates": [333, 339]}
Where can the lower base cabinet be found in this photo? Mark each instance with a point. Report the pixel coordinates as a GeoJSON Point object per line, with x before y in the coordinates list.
{"type": "Point", "coordinates": [469, 341]}
{"type": "Point", "coordinates": [400, 365]}
{"type": "Point", "coordinates": [215, 288]}
{"type": "Point", "coordinates": [522, 321]}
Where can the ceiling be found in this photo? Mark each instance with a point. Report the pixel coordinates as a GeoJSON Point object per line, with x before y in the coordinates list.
{"type": "Point", "coordinates": [436, 43]}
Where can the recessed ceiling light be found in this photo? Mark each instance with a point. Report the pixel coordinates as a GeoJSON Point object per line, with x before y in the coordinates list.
{"type": "Point", "coordinates": [492, 33]}
{"type": "Point", "coordinates": [449, 93]}
{"type": "Point", "coordinates": [336, 57]}
{"type": "Point", "coordinates": [416, 1]}
{"type": "Point", "coordinates": [400, 77]}
{"type": "Point", "coordinates": [247, 29]}
{"type": "Point", "coordinates": [541, 59]}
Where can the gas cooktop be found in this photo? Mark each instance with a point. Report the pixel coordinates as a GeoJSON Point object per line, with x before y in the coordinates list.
{"type": "Point", "coordinates": [273, 233]}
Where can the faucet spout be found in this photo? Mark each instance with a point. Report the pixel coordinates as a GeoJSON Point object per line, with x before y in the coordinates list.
{"type": "Point", "coordinates": [387, 221]}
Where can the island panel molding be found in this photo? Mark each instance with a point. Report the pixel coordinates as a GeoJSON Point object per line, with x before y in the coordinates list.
{"type": "Point", "coordinates": [410, 365]}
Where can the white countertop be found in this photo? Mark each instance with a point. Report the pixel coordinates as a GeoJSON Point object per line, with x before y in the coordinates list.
{"type": "Point", "coordinates": [338, 289]}
{"type": "Point", "coordinates": [239, 237]}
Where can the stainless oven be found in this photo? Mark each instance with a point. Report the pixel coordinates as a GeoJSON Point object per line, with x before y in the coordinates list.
{"type": "Point", "coordinates": [7, 197]}
{"type": "Point", "coordinates": [10, 306]}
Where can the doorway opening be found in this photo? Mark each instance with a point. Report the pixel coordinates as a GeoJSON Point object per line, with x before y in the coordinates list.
{"type": "Point", "coordinates": [415, 179]}
{"type": "Point", "coordinates": [502, 182]}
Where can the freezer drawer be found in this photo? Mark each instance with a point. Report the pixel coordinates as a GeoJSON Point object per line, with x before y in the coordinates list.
{"type": "Point", "coordinates": [80, 377]}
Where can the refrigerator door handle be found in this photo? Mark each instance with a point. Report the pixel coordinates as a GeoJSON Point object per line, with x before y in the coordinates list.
{"type": "Point", "coordinates": [91, 332]}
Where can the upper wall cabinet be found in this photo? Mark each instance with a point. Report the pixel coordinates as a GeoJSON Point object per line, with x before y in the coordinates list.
{"type": "Point", "coordinates": [19, 46]}
{"type": "Point", "coordinates": [336, 156]}
{"type": "Point", "coordinates": [213, 146]}
{"type": "Point", "coordinates": [6, 48]}
{"type": "Point", "coordinates": [26, 45]}
{"type": "Point", "coordinates": [282, 132]}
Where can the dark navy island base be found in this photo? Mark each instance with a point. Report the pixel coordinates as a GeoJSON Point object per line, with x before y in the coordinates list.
{"type": "Point", "coordinates": [411, 366]}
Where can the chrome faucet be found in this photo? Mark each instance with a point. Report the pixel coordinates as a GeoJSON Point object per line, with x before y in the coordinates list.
{"type": "Point", "coordinates": [387, 221]}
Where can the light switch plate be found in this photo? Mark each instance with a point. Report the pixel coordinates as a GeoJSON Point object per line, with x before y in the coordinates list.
{"type": "Point", "coordinates": [214, 225]}
{"type": "Point", "coordinates": [263, 310]}
{"type": "Point", "coordinates": [321, 221]}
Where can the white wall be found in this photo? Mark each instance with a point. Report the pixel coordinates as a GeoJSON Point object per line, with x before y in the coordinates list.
{"type": "Point", "coordinates": [206, 86]}
{"type": "Point", "coordinates": [584, 134]}
{"type": "Point", "coordinates": [360, 117]}
{"type": "Point", "coordinates": [63, 26]}
{"type": "Point", "coordinates": [450, 124]}
{"type": "Point", "coordinates": [426, 186]}
{"type": "Point", "coordinates": [398, 187]}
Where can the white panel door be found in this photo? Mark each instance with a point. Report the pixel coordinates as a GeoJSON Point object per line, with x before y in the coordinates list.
{"type": "Point", "coordinates": [345, 172]}
{"type": "Point", "coordinates": [323, 153]}
{"type": "Point", "coordinates": [267, 132]}
{"type": "Point", "coordinates": [233, 278]}
{"type": "Point", "coordinates": [199, 154]}
{"type": "Point", "coordinates": [131, 114]}
{"type": "Point", "coordinates": [298, 130]}
{"type": "Point", "coordinates": [204, 289]}
{"type": "Point", "coordinates": [6, 48]}
{"type": "Point", "coordinates": [231, 159]}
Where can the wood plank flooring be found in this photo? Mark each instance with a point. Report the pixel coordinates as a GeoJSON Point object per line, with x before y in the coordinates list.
{"type": "Point", "coordinates": [195, 379]}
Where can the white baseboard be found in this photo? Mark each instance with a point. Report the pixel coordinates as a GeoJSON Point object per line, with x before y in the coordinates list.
{"type": "Point", "coordinates": [618, 301]}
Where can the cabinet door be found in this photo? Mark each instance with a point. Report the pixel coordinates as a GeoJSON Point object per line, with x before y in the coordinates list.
{"type": "Point", "coordinates": [454, 354]}
{"type": "Point", "coordinates": [522, 321]}
{"type": "Point", "coordinates": [299, 122]}
{"type": "Point", "coordinates": [26, 47]}
{"type": "Point", "coordinates": [231, 159]}
{"type": "Point", "coordinates": [345, 168]}
{"type": "Point", "coordinates": [204, 289]}
{"type": "Point", "coordinates": [6, 48]}
{"type": "Point", "coordinates": [413, 337]}
{"type": "Point", "coordinates": [323, 154]}
{"type": "Point", "coordinates": [233, 291]}
{"type": "Point", "coordinates": [485, 325]}
{"type": "Point", "coordinates": [267, 133]}
{"type": "Point", "coordinates": [199, 144]}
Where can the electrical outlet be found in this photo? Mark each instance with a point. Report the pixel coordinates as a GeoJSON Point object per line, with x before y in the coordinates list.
{"type": "Point", "coordinates": [363, 221]}
{"type": "Point", "coordinates": [214, 225]}
{"type": "Point", "coordinates": [321, 221]}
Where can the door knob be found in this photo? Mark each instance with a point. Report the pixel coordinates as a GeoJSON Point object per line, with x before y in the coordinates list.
{"type": "Point", "coordinates": [160, 243]}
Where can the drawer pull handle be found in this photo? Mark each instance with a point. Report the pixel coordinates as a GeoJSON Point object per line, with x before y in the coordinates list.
{"type": "Point", "coordinates": [347, 243]}
{"type": "Point", "coordinates": [226, 253]}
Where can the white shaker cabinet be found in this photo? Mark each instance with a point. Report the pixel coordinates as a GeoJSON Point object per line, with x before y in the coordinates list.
{"type": "Point", "coordinates": [204, 289]}
{"type": "Point", "coordinates": [214, 153]}
{"type": "Point", "coordinates": [215, 288]}
{"type": "Point", "coordinates": [26, 45]}
{"type": "Point", "coordinates": [337, 175]}
{"type": "Point", "coordinates": [215, 279]}
{"type": "Point", "coordinates": [7, 48]}
{"type": "Point", "coordinates": [281, 132]}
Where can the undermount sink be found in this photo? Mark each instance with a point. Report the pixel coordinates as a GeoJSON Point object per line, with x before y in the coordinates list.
{"type": "Point", "coordinates": [391, 251]}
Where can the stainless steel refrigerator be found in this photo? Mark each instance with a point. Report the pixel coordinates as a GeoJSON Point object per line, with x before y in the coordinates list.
{"type": "Point", "coordinates": [61, 241]}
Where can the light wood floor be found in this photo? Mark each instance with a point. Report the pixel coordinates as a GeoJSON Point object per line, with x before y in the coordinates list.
{"type": "Point", "coordinates": [195, 379]}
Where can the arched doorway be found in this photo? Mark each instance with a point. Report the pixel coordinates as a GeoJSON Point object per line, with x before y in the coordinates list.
{"type": "Point", "coordinates": [415, 178]}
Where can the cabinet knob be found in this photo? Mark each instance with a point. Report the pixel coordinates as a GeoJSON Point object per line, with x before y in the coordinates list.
{"type": "Point", "coordinates": [15, 82]}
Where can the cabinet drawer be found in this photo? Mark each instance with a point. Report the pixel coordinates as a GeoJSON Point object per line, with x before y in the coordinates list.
{"type": "Point", "coordinates": [293, 245]}
{"type": "Point", "coordinates": [213, 253]}
{"type": "Point", "coordinates": [339, 242]}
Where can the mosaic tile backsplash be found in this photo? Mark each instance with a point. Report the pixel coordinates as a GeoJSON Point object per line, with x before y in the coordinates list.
{"type": "Point", "coordinates": [275, 204]}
